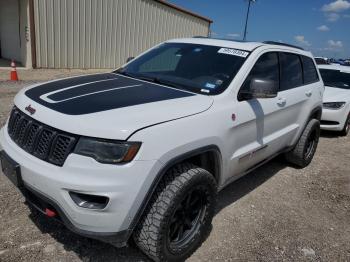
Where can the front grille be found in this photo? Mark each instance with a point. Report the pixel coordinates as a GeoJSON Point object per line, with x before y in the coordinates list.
{"type": "Point", "coordinates": [40, 140]}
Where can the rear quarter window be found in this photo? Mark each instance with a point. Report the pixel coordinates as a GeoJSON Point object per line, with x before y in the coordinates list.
{"type": "Point", "coordinates": [309, 69]}
{"type": "Point", "coordinates": [291, 71]}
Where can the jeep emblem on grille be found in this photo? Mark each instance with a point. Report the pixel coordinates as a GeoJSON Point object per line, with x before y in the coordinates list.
{"type": "Point", "coordinates": [30, 109]}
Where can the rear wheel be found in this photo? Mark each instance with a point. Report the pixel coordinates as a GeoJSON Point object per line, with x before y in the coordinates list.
{"type": "Point", "coordinates": [305, 149]}
{"type": "Point", "coordinates": [346, 128]}
{"type": "Point", "coordinates": [179, 216]}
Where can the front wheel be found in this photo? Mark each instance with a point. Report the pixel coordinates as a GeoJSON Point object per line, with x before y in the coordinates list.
{"type": "Point", "coordinates": [305, 148]}
{"type": "Point", "coordinates": [179, 216]}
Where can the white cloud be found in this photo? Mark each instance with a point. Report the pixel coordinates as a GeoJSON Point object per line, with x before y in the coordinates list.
{"type": "Point", "coordinates": [335, 44]}
{"type": "Point", "coordinates": [212, 33]}
{"type": "Point", "coordinates": [233, 35]}
{"type": "Point", "coordinates": [336, 6]}
{"type": "Point", "coordinates": [332, 48]}
{"type": "Point", "coordinates": [301, 40]}
{"type": "Point", "coordinates": [323, 28]}
{"type": "Point", "coordinates": [332, 17]}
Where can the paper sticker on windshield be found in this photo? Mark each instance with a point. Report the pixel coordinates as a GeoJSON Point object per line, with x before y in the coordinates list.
{"type": "Point", "coordinates": [230, 51]}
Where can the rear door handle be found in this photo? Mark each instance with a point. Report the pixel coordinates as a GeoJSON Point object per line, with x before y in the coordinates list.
{"type": "Point", "coordinates": [281, 101]}
{"type": "Point", "coordinates": [308, 93]}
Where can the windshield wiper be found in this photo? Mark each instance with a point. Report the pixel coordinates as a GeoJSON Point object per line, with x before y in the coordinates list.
{"type": "Point", "coordinates": [156, 80]}
{"type": "Point", "coordinates": [124, 73]}
{"type": "Point", "coordinates": [161, 81]}
{"type": "Point", "coordinates": [140, 77]}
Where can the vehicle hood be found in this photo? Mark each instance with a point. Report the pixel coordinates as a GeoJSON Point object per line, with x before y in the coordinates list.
{"type": "Point", "coordinates": [332, 94]}
{"type": "Point", "coordinates": [107, 105]}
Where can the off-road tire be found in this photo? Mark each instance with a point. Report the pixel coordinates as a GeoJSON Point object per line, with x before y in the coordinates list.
{"type": "Point", "coordinates": [346, 128]}
{"type": "Point", "coordinates": [300, 155]}
{"type": "Point", "coordinates": [152, 233]}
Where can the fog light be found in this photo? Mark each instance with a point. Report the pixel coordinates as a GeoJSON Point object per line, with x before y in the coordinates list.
{"type": "Point", "coordinates": [89, 201]}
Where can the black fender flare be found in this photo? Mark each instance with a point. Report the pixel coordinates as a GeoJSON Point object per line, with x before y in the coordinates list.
{"type": "Point", "coordinates": [316, 111]}
{"type": "Point", "coordinates": [165, 168]}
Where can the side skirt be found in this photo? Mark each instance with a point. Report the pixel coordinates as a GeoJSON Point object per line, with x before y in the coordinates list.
{"type": "Point", "coordinates": [231, 180]}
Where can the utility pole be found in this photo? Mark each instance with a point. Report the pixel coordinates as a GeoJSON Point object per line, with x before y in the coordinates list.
{"type": "Point", "coordinates": [246, 20]}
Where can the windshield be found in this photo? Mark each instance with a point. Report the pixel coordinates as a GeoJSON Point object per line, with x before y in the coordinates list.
{"type": "Point", "coordinates": [335, 78]}
{"type": "Point", "coordinates": [196, 68]}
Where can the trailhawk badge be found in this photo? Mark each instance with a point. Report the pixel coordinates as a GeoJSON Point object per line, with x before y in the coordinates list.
{"type": "Point", "coordinates": [30, 109]}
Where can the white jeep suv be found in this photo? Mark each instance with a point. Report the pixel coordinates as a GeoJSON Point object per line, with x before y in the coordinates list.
{"type": "Point", "coordinates": [142, 151]}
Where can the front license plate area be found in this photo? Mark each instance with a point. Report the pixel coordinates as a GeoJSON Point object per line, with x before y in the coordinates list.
{"type": "Point", "coordinates": [11, 169]}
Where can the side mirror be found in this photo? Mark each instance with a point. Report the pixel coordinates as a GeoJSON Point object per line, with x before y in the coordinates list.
{"type": "Point", "coordinates": [130, 58]}
{"type": "Point", "coordinates": [263, 88]}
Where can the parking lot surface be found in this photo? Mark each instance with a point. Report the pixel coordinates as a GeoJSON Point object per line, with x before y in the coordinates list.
{"type": "Point", "coordinates": [276, 213]}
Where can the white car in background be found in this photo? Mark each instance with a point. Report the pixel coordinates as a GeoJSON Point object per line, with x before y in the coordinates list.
{"type": "Point", "coordinates": [322, 60]}
{"type": "Point", "coordinates": [336, 99]}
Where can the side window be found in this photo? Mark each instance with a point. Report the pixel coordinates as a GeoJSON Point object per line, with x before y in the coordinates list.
{"type": "Point", "coordinates": [266, 68]}
{"type": "Point", "coordinates": [291, 71]}
{"type": "Point", "coordinates": [310, 72]}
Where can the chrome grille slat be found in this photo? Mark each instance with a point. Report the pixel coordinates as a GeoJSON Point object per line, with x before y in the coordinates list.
{"type": "Point", "coordinates": [40, 140]}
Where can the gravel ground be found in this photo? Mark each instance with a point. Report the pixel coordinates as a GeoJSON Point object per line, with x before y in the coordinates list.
{"type": "Point", "coordinates": [276, 213]}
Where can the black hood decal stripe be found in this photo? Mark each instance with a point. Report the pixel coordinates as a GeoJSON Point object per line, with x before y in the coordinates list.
{"type": "Point", "coordinates": [66, 93]}
{"type": "Point", "coordinates": [88, 94]}
{"type": "Point", "coordinates": [68, 82]}
{"type": "Point", "coordinates": [96, 93]}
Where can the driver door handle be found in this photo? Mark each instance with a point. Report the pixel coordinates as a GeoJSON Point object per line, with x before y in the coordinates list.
{"type": "Point", "coordinates": [281, 101]}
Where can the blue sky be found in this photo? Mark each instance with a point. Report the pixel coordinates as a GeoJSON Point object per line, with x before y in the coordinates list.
{"type": "Point", "coordinates": [321, 26]}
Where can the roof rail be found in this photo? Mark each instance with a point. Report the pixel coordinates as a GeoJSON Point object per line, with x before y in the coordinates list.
{"type": "Point", "coordinates": [243, 41]}
{"type": "Point", "coordinates": [283, 44]}
{"type": "Point", "coordinates": [218, 38]}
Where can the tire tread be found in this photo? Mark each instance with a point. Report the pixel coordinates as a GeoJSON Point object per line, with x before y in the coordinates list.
{"type": "Point", "coordinates": [296, 155]}
{"type": "Point", "coordinates": [148, 234]}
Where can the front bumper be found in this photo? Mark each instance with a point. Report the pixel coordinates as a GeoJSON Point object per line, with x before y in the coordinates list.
{"type": "Point", "coordinates": [124, 185]}
{"type": "Point", "coordinates": [333, 120]}
{"type": "Point", "coordinates": [40, 202]}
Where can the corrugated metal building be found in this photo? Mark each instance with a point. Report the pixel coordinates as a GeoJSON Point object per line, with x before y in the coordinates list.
{"type": "Point", "coordinates": [90, 33]}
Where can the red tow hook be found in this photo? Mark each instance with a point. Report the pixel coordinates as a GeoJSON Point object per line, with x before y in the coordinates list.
{"type": "Point", "coordinates": [50, 213]}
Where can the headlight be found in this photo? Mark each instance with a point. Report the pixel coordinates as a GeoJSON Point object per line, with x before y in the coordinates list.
{"type": "Point", "coordinates": [333, 105]}
{"type": "Point", "coordinates": [107, 151]}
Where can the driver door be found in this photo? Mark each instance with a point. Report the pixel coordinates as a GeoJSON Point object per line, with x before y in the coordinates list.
{"type": "Point", "coordinates": [260, 130]}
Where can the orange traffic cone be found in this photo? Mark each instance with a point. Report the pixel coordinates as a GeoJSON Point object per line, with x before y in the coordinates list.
{"type": "Point", "coordinates": [13, 75]}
